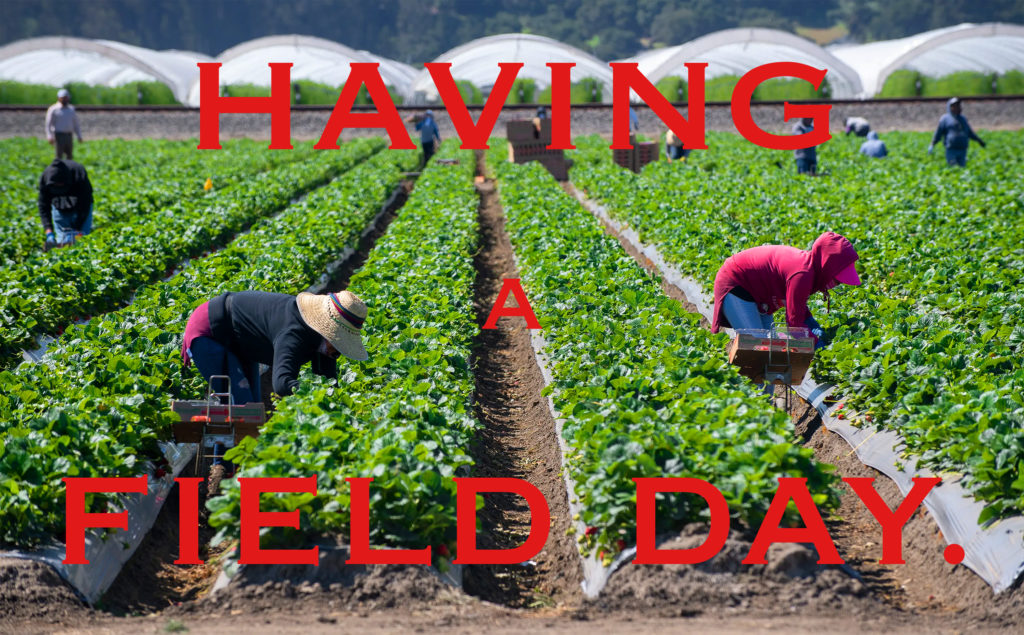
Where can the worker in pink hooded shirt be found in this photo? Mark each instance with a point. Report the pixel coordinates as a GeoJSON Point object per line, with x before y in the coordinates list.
{"type": "Point", "coordinates": [755, 283]}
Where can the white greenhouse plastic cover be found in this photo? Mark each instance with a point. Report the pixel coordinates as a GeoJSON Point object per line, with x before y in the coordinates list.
{"type": "Point", "coordinates": [58, 60]}
{"type": "Point", "coordinates": [736, 51]}
{"type": "Point", "coordinates": [315, 59]}
{"type": "Point", "coordinates": [988, 48]}
{"type": "Point", "coordinates": [477, 61]}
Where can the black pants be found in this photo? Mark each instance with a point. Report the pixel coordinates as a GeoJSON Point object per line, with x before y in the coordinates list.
{"type": "Point", "coordinates": [676, 152]}
{"type": "Point", "coordinates": [213, 358]}
{"type": "Point", "coordinates": [428, 151]}
{"type": "Point", "coordinates": [63, 143]}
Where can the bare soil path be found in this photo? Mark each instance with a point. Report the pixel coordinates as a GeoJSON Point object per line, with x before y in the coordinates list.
{"type": "Point", "coordinates": [518, 435]}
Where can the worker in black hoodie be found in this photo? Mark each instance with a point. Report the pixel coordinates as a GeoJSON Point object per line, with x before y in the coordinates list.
{"type": "Point", "coordinates": [65, 202]}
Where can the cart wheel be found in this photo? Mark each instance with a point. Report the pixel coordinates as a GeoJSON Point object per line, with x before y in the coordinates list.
{"type": "Point", "coordinates": [213, 480]}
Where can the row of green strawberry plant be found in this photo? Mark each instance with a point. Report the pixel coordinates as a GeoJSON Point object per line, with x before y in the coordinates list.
{"type": "Point", "coordinates": [22, 161]}
{"type": "Point", "coordinates": [642, 389]}
{"type": "Point", "coordinates": [932, 344]}
{"type": "Point", "coordinates": [131, 179]}
{"type": "Point", "coordinates": [99, 274]}
{"type": "Point", "coordinates": [404, 416]}
{"type": "Point", "coordinates": [98, 402]}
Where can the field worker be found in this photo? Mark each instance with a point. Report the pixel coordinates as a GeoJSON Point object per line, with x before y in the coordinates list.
{"type": "Point", "coordinates": [674, 147]}
{"type": "Point", "coordinates": [858, 126]}
{"type": "Point", "coordinates": [955, 133]}
{"type": "Point", "coordinates": [65, 202]}
{"type": "Point", "coordinates": [234, 333]}
{"type": "Point", "coordinates": [874, 147]}
{"type": "Point", "coordinates": [542, 114]}
{"type": "Point", "coordinates": [428, 135]}
{"type": "Point", "coordinates": [634, 121]}
{"type": "Point", "coordinates": [61, 122]}
{"type": "Point", "coordinates": [806, 158]}
{"type": "Point", "coordinates": [755, 283]}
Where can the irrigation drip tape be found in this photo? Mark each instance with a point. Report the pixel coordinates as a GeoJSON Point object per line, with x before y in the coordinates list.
{"type": "Point", "coordinates": [107, 556]}
{"type": "Point", "coordinates": [994, 551]}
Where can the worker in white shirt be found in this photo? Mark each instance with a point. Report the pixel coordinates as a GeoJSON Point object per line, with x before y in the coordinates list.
{"type": "Point", "coordinates": [61, 122]}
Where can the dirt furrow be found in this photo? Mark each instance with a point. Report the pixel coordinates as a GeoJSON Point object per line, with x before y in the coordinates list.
{"type": "Point", "coordinates": [518, 437]}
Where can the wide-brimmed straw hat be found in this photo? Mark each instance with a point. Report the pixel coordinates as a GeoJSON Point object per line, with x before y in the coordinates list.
{"type": "Point", "coordinates": [339, 318]}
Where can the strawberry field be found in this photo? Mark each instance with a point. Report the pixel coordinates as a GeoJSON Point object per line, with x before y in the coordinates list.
{"type": "Point", "coordinates": [930, 346]}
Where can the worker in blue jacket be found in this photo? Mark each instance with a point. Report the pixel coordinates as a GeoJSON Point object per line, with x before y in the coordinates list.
{"type": "Point", "coordinates": [874, 147]}
{"type": "Point", "coordinates": [430, 136]}
{"type": "Point", "coordinates": [955, 133]}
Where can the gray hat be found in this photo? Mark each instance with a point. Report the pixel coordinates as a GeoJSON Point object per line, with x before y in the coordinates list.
{"type": "Point", "coordinates": [63, 92]}
{"type": "Point", "coordinates": [952, 101]}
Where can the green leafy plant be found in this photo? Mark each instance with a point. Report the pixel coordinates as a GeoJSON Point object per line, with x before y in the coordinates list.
{"type": "Point", "coordinates": [902, 83]}
{"type": "Point", "coordinates": [673, 88]}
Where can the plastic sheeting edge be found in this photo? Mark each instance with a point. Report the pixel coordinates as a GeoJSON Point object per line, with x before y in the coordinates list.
{"type": "Point", "coordinates": [107, 556]}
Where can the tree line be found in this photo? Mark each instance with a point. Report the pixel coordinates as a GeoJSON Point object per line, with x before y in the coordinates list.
{"type": "Point", "coordinates": [416, 31]}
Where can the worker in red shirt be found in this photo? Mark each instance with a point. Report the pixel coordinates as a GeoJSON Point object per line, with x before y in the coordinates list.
{"type": "Point", "coordinates": [755, 283]}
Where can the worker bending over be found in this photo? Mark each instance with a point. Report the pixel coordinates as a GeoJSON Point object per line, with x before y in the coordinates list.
{"type": "Point", "coordinates": [753, 284]}
{"type": "Point", "coordinates": [874, 147]}
{"type": "Point", "coordinates": [858, 126]}
{"type": "Point", "coordinates": [65, 202]}
{"type": "Point", "coordinates": [674, 149]}
{"type": "Point", "coordinates": [234, 333]}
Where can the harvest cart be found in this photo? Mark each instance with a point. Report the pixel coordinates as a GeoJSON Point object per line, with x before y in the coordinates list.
{"type": "Point", "coordinates": [773, 356]}
{"type": "Point", "coordinates": [216, 424]}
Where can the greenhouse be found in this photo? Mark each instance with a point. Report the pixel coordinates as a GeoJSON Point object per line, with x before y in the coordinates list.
{"type": "Point", "coordinates": [56, 61]}
{"type": "Point", "coordinates": [315, 59]}
{"type": "Point", "coordinates": [476, 62]}
{"type": "Point", "coordinates": [968, 59]}
{"type": "Point", "coordinates": [733, 52]}
{"type": "Point", "coordinates": [986, 49]}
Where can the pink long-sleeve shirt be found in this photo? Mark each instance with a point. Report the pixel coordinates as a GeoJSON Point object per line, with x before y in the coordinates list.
{"type": "Point", "coordinates": [779, 276]}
